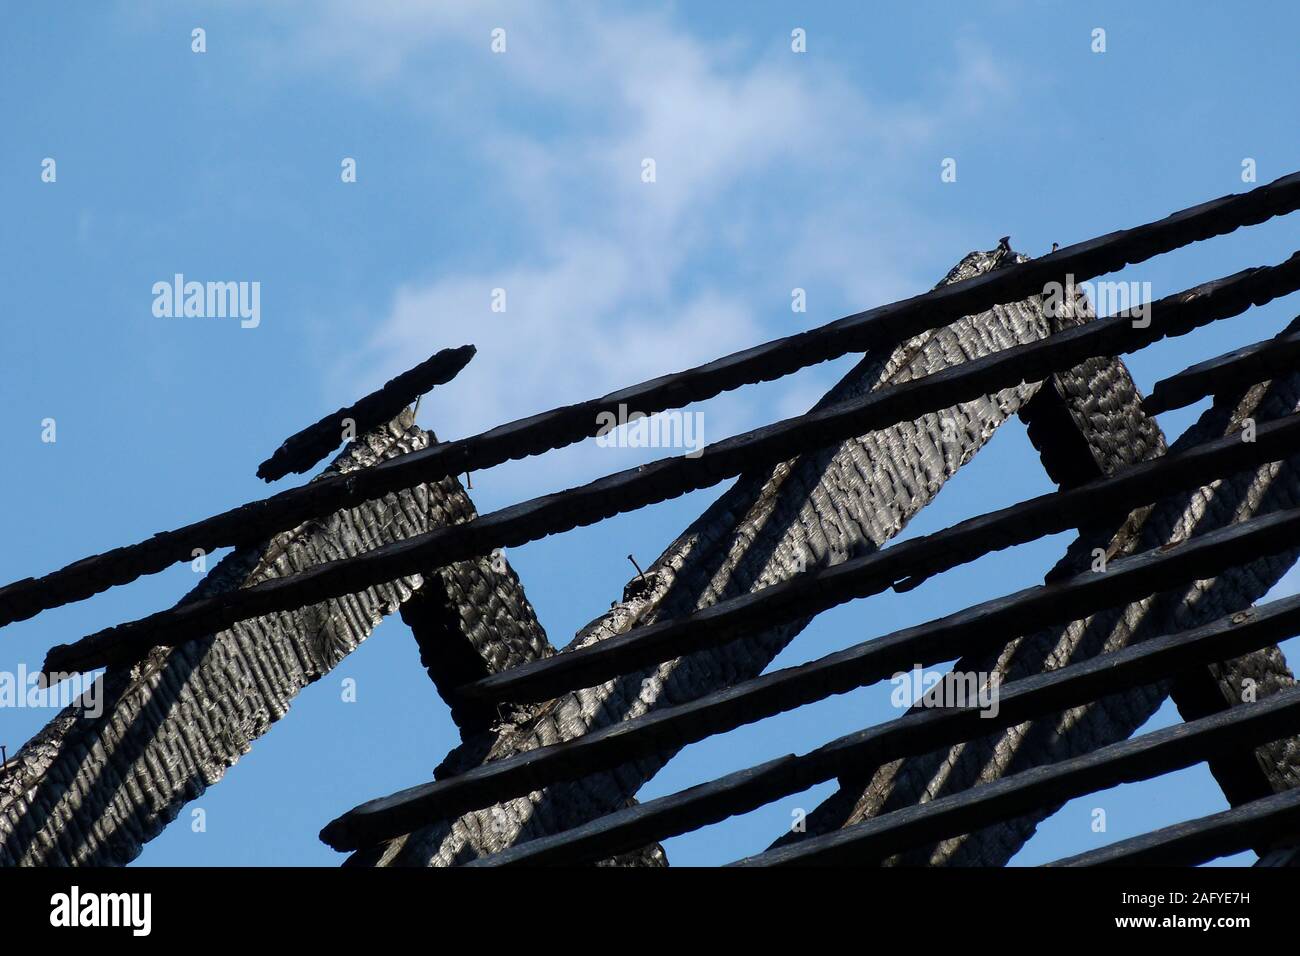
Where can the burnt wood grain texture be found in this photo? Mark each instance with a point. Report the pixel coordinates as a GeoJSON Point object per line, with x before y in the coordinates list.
{"type": "Point", "coordinates": [1269, 488]}
{"type": "Point", "coordinates": [302, 450]}
{"type": "Point", "coordinates": [816, 510]}
{"type": "Point", "coordinates": [880, 328]}
{"type": "Point", "coordinates": [92, 791]}
{"type": "Point", "coordinates": [1028, 698]}
{"type": "Point", "coordinates": [472, 619]}
{"type": "Point", "coordinates": [1110, 424]}
{"type": "Point", "coordinates": [671, 477]}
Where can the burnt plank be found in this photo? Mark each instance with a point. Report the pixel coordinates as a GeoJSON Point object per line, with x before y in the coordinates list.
{"type": "Point", "coordinates": [93, 788]}
{"type": "Point", "coordinates": [1232, 370]}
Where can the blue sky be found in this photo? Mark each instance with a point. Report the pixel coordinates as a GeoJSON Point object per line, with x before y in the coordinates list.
{"type": "Point", "coordinates": [522, 171]}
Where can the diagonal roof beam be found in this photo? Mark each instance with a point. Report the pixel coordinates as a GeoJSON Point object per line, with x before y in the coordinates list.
{"type": "Point", "coordinates": [1107, 430]}
{"type": "Point", "coordinates": [905, 563]}
{"type": "Point", "coordinates": [93, 790]}
{"type": "Point", "coordinates": [472, 619]}
{"type": "Point", "coordinates": [1142, 758]}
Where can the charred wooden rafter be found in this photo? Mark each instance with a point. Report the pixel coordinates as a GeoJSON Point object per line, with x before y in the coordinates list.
{"type": "Point", "coordinates": [92, 789]}
{"type": "Point", "coordinates": [300, 451]}
{"type": "Point", "coordinates": [818, 509]}
{"type": "Point", "coordinates": [1086, 423]}
{"type": "Point", "coordinates": [671, 477]}
{"type": "Point", "coordinates": [1224, 373]}
{"type": "Point", "coordinates": [886, 324]}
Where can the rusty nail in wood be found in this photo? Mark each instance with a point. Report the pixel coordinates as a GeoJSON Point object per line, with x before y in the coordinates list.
{"type": "Point", "coordinates": [637, 566]}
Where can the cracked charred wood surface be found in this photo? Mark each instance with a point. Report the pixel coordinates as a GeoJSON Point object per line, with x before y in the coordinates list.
{"type": "Point", "coordinates": [1126, 761]}
{"type": "Point", "coordinates": [472, 619]}
{"type": "Point", "coordinates": [817, 509]}
{"type": "Point", "coordinates": [902, 566]}
{"type": "Point", "coordinates": [1090, 422]}
{"type": "Point", "coordinates": [92, 791]}
{"type": "Point", "coordinates": [483, 602]}
{"type": "Point", "coordinates": [914, 733]}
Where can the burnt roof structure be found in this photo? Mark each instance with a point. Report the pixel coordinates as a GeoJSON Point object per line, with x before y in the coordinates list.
{"type": "Point", "coordinates": [1154, 599]}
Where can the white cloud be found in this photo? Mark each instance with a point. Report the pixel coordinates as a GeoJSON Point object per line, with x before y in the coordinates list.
{"type": "Point", "coordinates": [772, 171]}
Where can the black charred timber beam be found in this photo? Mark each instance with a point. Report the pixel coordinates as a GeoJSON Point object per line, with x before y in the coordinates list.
{"type": "Point", "coordinates": [671, 477]}
{"type": "Point", "coordinates": [303, 450]}
{"type": "Point", "coordinates": [911, 561]}
{"type": "Point", "coordinates": [1140, 758]}
{"type": "Point", "coordinates": [1029, 698]}
{"type": "Point", "coordinates": [1232, 370]}
{"type": "Point", "coordinates": [980, 627]}
{"type": "Point", "coordinates": [882, 326]}
{"type": "Point", "coordinates": [1205, 838]}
